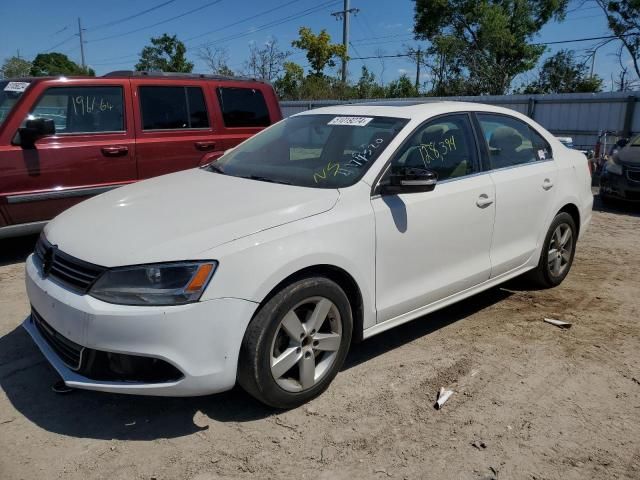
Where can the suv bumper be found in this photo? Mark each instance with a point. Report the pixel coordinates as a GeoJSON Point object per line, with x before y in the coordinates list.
{"type": "Point", "coordinates": [620, 186]}
{"type": "Point", "coordinates": [198, 344]}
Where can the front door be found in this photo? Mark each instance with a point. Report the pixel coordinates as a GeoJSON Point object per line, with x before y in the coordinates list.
{"type": "Point", "coordinates": [434, 244]}
{"type": "Point", "coordinates": [524, 172]}
{"type": "Point", "coordinates": [92, 151]}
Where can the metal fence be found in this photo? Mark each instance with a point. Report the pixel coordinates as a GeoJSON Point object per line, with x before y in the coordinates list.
{"type": "Point", "coordinates": [578, 115]}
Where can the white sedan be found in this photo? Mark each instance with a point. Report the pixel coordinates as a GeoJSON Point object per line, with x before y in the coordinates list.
{"type": "Point", "coordinates": [329, 227]}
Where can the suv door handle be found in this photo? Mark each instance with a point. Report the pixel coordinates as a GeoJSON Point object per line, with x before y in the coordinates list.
{"type": "Point", "coordinates": [547, 184]}
{"type": "Point", "coordinates": [484, 201]}
{"type": "Point", "coordinates": [115, 151]}
{"type": "Point", "coordinates": [205, 146]}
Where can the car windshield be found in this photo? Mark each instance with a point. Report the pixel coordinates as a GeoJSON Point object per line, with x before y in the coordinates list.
{"type": "Point", "coordinates": [10, 92]}
{"type": "Point", "coordinates": [319, 151]}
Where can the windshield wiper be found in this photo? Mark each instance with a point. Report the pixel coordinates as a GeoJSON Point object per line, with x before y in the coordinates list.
{"type": "Point", "coordinates": [212, 167]}
{"type": "Point", "coordinates": [265, 179]}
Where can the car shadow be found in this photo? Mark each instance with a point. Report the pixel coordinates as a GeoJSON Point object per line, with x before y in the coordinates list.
{"type": "Point", "coordinates": [619, 207]}
{"type": "Point", "coordinates": [16, 249]}
{"type": "Point", "coordinates": [26, 379]}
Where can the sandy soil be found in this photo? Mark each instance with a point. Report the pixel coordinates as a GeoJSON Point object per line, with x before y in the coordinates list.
{"type": "Point", "coordinates": [532, 401]}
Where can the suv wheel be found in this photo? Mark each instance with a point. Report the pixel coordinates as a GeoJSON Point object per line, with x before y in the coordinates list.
{"type": "Point", "coordinates": [296, 343]}
{"type": "Point", "coordinates": [557, 252]}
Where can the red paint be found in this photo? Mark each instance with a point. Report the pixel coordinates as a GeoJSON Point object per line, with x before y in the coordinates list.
{"type": "Point", "coordinates": [72, 161]}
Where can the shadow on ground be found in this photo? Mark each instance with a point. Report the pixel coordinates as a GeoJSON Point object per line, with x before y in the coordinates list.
{"type": "Point", "coordinates": [26, 379]}
{"type": "Point", "coordinates": [17, 249]}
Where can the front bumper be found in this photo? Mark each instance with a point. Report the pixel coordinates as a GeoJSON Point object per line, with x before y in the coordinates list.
{"type": "Point", "coordinates": [201, 340]}
{"type": "Point", "coordinates": [620, 186]}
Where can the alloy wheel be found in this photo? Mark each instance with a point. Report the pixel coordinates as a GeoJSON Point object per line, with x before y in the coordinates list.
{"type": "Point", "coordinates": [560, 249]}
{"type": "Point", "coordinates": [306, 344]}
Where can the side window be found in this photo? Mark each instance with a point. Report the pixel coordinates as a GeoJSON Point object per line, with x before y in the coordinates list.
{"type": "Point", "coordinates": [173, 108]}
{"type": "Point", "coordinates": [445, 146]}
{"type": "Point", "coordinates": [511, 141]}
{"type": "Point", "coordinates": [82, 109]}
{"type": "Point", "coordinates": [243, 107]}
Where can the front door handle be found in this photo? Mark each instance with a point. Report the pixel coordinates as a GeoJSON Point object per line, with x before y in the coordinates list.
{"type": "Point", "coordinates": [205, 146]}
{"type": "Point", "coordinates": [115, 151]}
{"type": "Point", "coordinates": [484, 201]}
{"type": "Point", "coordinates": [547, 184]}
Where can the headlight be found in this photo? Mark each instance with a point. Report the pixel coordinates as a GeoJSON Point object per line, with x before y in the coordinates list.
{"type": "Point", "coordinates": [156, 284]}
{"type": "Point", "coordinates": [613, 168]}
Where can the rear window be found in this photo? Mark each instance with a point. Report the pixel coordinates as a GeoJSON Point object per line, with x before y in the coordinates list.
{"type": "Point", "coordinates": [81, 109]}
{"type": "Point", "coordinates": [243, 107]}
{"type": "Point", "coordinates": [173, 108]}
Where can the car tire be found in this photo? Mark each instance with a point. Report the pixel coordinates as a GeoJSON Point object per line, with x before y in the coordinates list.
{"type": "Point", "coordinates": [296, 343]}
{"type": "Point", "coordinates": [555, 263]}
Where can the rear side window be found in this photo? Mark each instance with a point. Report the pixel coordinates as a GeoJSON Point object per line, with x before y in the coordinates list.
{"type": "Point", "coordinates": [243, 107]}
{"type": "Point", "coordinates": [173, 108]}
{"type": "Point", "coordinates": [512, 142]}
{"type": "Point", "coordinates": [82, 109]}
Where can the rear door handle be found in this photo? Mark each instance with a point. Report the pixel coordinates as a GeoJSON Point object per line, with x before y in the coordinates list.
{"type": "Point", "coordinates": [205, 146]}
{"type": "Point", "coordinates": [484, 201]}
{"type": "Point", "coordinates": [115, 151]}
{"type": "Point", "coordinates": [547, 184]}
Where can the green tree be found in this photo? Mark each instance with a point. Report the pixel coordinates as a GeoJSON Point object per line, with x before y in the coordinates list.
{"type": "Point", "coordinates": [367, 87]}
{"type": "Point", "coordinates": [490, 39]}
{"type": "Point", "coordinates": [15, 67]}
{"type": "Point", "coordinates": [165, 54]}
{"type": "Point", "coordinates": [288, 86]}
{"type": "Point", "coordinates": [401, 88]}
{"type": "Point", "coordinates": [623, 17]}
{"type": "Point", "coordinates": [47, 64]}
{"type": "Point", "coordinates": [561, 73]}
{"type": "Point", "coordinates": [320, 51]}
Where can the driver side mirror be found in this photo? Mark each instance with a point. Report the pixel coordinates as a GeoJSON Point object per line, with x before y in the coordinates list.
{"type": "Point", "coordinates": [34, 130]}
{"type": "Point", "coordinates": [410, 180]}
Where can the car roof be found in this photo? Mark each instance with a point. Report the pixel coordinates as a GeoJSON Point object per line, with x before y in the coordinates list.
{"type": "Point", "coordinates": [412, 109]}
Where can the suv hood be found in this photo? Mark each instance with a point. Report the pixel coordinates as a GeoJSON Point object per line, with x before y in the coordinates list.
{"type": "Point", "coordinates": [179, 217]}
{"type": "Point", "coordinates": [629, 155]}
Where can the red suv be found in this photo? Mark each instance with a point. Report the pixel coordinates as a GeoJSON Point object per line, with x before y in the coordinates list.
{"type": "Point", "coordinates": [63, 140]}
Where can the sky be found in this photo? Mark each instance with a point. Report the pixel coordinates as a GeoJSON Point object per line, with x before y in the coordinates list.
{"type": "Point", "coordinates": [116, 31]}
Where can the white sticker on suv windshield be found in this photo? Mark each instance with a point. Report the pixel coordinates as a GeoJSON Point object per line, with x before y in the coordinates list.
{"type": "Point", "coordinates": [352, 121]}
{"type": "Point", "coordinates": [16, 86]}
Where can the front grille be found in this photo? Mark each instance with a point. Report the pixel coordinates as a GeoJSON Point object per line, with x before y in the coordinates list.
{"type": "Point", "coordinates": [70, 352]}
{"type": "Point", "coordinates": [633, 175]}
{"type": "Point", "coordinates": [76, 274]}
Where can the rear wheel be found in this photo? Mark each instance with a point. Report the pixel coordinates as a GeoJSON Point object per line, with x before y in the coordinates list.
{"type": "Point", "coordinates": [296, 343]}
{"type": "Point", "coordinates": [557, 253]}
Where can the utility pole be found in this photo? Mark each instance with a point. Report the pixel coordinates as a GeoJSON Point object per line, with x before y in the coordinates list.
{"type": "Point", "coordinates": [344, 15]}
{"type": "Point", "coordinates": [84, 65]}
{"type": "Point", "coordinates": [418, 60]}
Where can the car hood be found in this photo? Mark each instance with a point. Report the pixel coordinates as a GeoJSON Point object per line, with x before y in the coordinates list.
{"type": "Point", "coordinates": [179, 217]}
{"type": "Point", "coordinates": [629, 155]}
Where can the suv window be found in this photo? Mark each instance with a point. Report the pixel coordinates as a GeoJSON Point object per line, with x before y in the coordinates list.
{"type": "Point", "coordinates": [512, 141]}
{"type": "Point", "coordinates": [82, 109]}
{"type": "Point", "coordinates": [173, 108]}
{"type": "Point", "coordinates": [444, 146]}
{"type": "Point", "coordinates": [243, 107]}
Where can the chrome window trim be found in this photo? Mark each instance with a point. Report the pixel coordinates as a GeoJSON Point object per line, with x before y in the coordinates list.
{"type": "Point", "coordinates": [56, 194]}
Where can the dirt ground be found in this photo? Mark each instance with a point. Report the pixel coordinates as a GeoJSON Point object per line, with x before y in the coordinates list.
{"type": "Point", "coordinates": [531, 401]}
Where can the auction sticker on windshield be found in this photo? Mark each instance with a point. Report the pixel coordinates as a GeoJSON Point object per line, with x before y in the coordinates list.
{"type": "Point", "coordinates": [351, 121]}
{"type": "Point", "coordinates": [16, 86]}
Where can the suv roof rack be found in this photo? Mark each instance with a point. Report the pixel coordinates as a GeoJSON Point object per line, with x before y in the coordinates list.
{"type": "Point", "coordinates": [207, 76]}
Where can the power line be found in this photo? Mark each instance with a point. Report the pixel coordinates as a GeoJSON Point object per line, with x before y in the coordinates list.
{"type": "Point", "coordinates": [273, 23]}
{"type": "Point", "coordinates": [242, 21]}
{"type": "Point", "coordinates": [202, 7]}
{"type": "Point", "coordinates": [130, 17]}
{"type": "Point", "coordinates": [61, 43]}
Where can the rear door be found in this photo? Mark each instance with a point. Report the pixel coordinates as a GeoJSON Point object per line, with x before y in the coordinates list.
{"type": "Point", "coordinates": [92, 151]}
{"type": "Point", "coordinates": [524, 173]}
{"type": "Point", "coordinates": [175, 128]}
{"type": "Point", "coordinates": [244, 110]}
